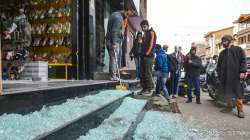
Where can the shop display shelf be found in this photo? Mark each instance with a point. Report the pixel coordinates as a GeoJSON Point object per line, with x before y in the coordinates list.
{"type": "Point", "coordinates": [62, 19]}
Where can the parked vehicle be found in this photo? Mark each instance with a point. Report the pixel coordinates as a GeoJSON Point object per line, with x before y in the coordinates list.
{"type": "Point", "coordinates": [214, 89]}
{"type": "Point", "coordinates": [248, 71]}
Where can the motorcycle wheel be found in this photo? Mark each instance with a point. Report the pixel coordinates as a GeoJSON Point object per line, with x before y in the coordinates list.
{"type": "Point", "coordinates": [211, 93]}
{"type": "Point", "coordinates": [204, 88]}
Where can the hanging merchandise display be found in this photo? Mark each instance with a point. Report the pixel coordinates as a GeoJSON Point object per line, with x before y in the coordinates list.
{"type": "Point", "coordinates": [35, 30]}
{"type": "Point", "coordinates": [51, 29]}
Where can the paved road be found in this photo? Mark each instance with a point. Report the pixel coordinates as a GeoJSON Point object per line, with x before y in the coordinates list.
{"type": "Point", "coordinates": [209, 119]}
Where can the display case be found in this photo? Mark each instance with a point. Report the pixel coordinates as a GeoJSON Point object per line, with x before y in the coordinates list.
{"type": "Point", "coordinates": [51, 29]}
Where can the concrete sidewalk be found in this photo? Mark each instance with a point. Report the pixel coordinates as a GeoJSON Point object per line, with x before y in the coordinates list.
{"type": "Point", "coordinates": [208, 117]}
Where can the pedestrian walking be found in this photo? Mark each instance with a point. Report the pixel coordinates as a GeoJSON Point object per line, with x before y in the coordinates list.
{"type": "Point", "coordinates": [135, 53]}
{"type": "Point", "coordinates": [162, 72]}
{"type": "Point", "coordinates": [192, 66]}
{"type": "Point", "coordinates": [231, 70]}
{"type": "Point", "coordinates": [114, 39]}
{"type": "Point", "coordinates": [148, 51]}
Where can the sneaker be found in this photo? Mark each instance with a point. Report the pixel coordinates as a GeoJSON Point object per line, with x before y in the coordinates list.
{"type": "Point", "coordinates": [141, 92]}
{"type": "Point", "coordinates": [241, 114]}
{"type": "Point", "coordinates": [174, 96]}
{"type": "Point", "coordinates": [147, 92]}
{"type": "Point", "coordinates": [114, 79]}
{"type": "Point", "coordinates": [189, 101]}
{"type": "Point", "coordinates": [156, 95]}
{"type": "Point", "coordinates": [226, 110]}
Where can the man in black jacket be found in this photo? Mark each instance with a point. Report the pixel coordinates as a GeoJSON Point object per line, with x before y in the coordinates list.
{"type": "Point", "coordinates": [231, 69]}
{"type": "Point", "coordinates": [192, 66]}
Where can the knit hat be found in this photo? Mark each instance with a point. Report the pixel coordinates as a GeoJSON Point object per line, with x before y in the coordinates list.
{"type": "Point", "coordinates": [227, 38]}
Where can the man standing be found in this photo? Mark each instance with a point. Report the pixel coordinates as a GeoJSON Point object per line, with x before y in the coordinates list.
{"type": "Point", "coordinates": [135, 53]}
{"type": "Point", "coordinates": [231, 69]}
{"type": "Point", "coordinates": [178, 58]}
{"type": "Point", "coordinates": [192, 66]}
{"type": "Point", "coordinates": [114, 38]}
{"type": "Point", "coordinates": [148, 47]}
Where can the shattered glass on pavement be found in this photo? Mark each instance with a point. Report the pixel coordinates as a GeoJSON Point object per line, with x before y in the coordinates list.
{"type": "Point", "coordinates": [24, 127]}
{"type": "Point", "coordinates": [116, 125]}
{"type": "Point", "coordinates": [166, 126]}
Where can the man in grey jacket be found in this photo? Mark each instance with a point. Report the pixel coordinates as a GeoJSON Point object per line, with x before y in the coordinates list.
{"type": "Point", "coordinates": [114, 37]}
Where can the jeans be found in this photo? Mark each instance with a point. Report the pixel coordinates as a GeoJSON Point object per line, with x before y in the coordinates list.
{"type": "Point", "coordinates": [161, 84]}
{"type": "Point", "coordinates": [137, 60]}
{"type": "Point", "coordinates": [114, 58]}
{"type": "Point", "coordinates": [146, 73]}
{"type": "Point", "coordinates": [193, 81]}
{"type": "Point", "coordinates": [175, 83]}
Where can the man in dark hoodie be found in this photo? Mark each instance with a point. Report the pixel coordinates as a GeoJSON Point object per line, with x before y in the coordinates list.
{"type": "Point", "coordinates": [161, 66]}
{"type": "Point", "coordinates": [148, 47]}
{"type": "Point", "coordinates": [192, 66]}
{"type": "Point", "coordinates": [231, 70]}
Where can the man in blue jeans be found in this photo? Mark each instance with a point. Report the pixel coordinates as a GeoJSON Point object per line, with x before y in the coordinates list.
{"type": "Point", "coordinates": [161, 67]}
{"type": "Point", "coordinates": [114, 38]}
{"type": "Point", "coordinates": [192, 66]}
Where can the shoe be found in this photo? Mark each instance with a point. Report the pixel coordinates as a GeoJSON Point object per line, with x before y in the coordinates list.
{"type": "Point", "coordinates": [114, 79]}
{"type": "Point", "coordinates": [156, 95]}
{"type": "Point", "coordinates": [226, 110]}
{"type": "Point", "coordinates": [147, 92]}
{"type": "Point", "coordinates": [141, 92]}
{"type": "Point", "coordinates": [241, 114]}
{"type": "Point", "coordinates": [189, 101]}
{"type": "Point", "coordinates": [198, 101]}
{"type": "Point", "coordinates": [174, 97]}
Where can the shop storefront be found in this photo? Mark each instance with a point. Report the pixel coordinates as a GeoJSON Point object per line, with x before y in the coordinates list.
{"type": "Point", "coordinates": [37, 39]}
{"type": "Point", "coordinates": [57, 39]}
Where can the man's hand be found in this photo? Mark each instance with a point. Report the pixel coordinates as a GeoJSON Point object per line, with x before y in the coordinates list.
{"type": "Point", "coordinates": [242, 76]}
{"type": "Point", "coordinates": [190, 61]}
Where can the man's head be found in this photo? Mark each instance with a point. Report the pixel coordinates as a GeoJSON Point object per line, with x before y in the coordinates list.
{"type": "Point", "coordinates": [193, 49]}
{"type": "Point", "coordinates": [176, 49]}
{"type": "Point", "coordinates": [21, 11]}
{"type": "Point", "coordinates": [139, 35]}
{"type": "Point", "coordinates": [165, 47]}
{"type": "Point", "coordinates": [226, 40]}
{"type": "Point", "coordinates": [144, 25]}
{"type": "Point", "coordinates": [127, 12]}
{"type": "Point", "coordinates": [180, 48]}
{"type": "Point", "coordinates": [215, 58]}
{"type": "Point", "coordinates": [158, 48]}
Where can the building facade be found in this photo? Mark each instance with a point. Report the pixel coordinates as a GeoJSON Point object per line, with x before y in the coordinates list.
{"type": "Point", "coordinates": [213, 41]}
{"type": "Point", "coordinates": [201, 51]}
{"type": "Point", "coordinates": [243, 32]}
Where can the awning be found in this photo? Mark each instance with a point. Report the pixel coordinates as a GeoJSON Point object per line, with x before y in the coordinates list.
{"type": "Point", "coordinates": [135, 22]}
{"type": "Point", "coordinates": [131, 5]}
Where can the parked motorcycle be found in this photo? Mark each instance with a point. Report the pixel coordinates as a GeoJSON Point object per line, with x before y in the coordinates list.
{"type": "Point", "coordinates": [213, 86]}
